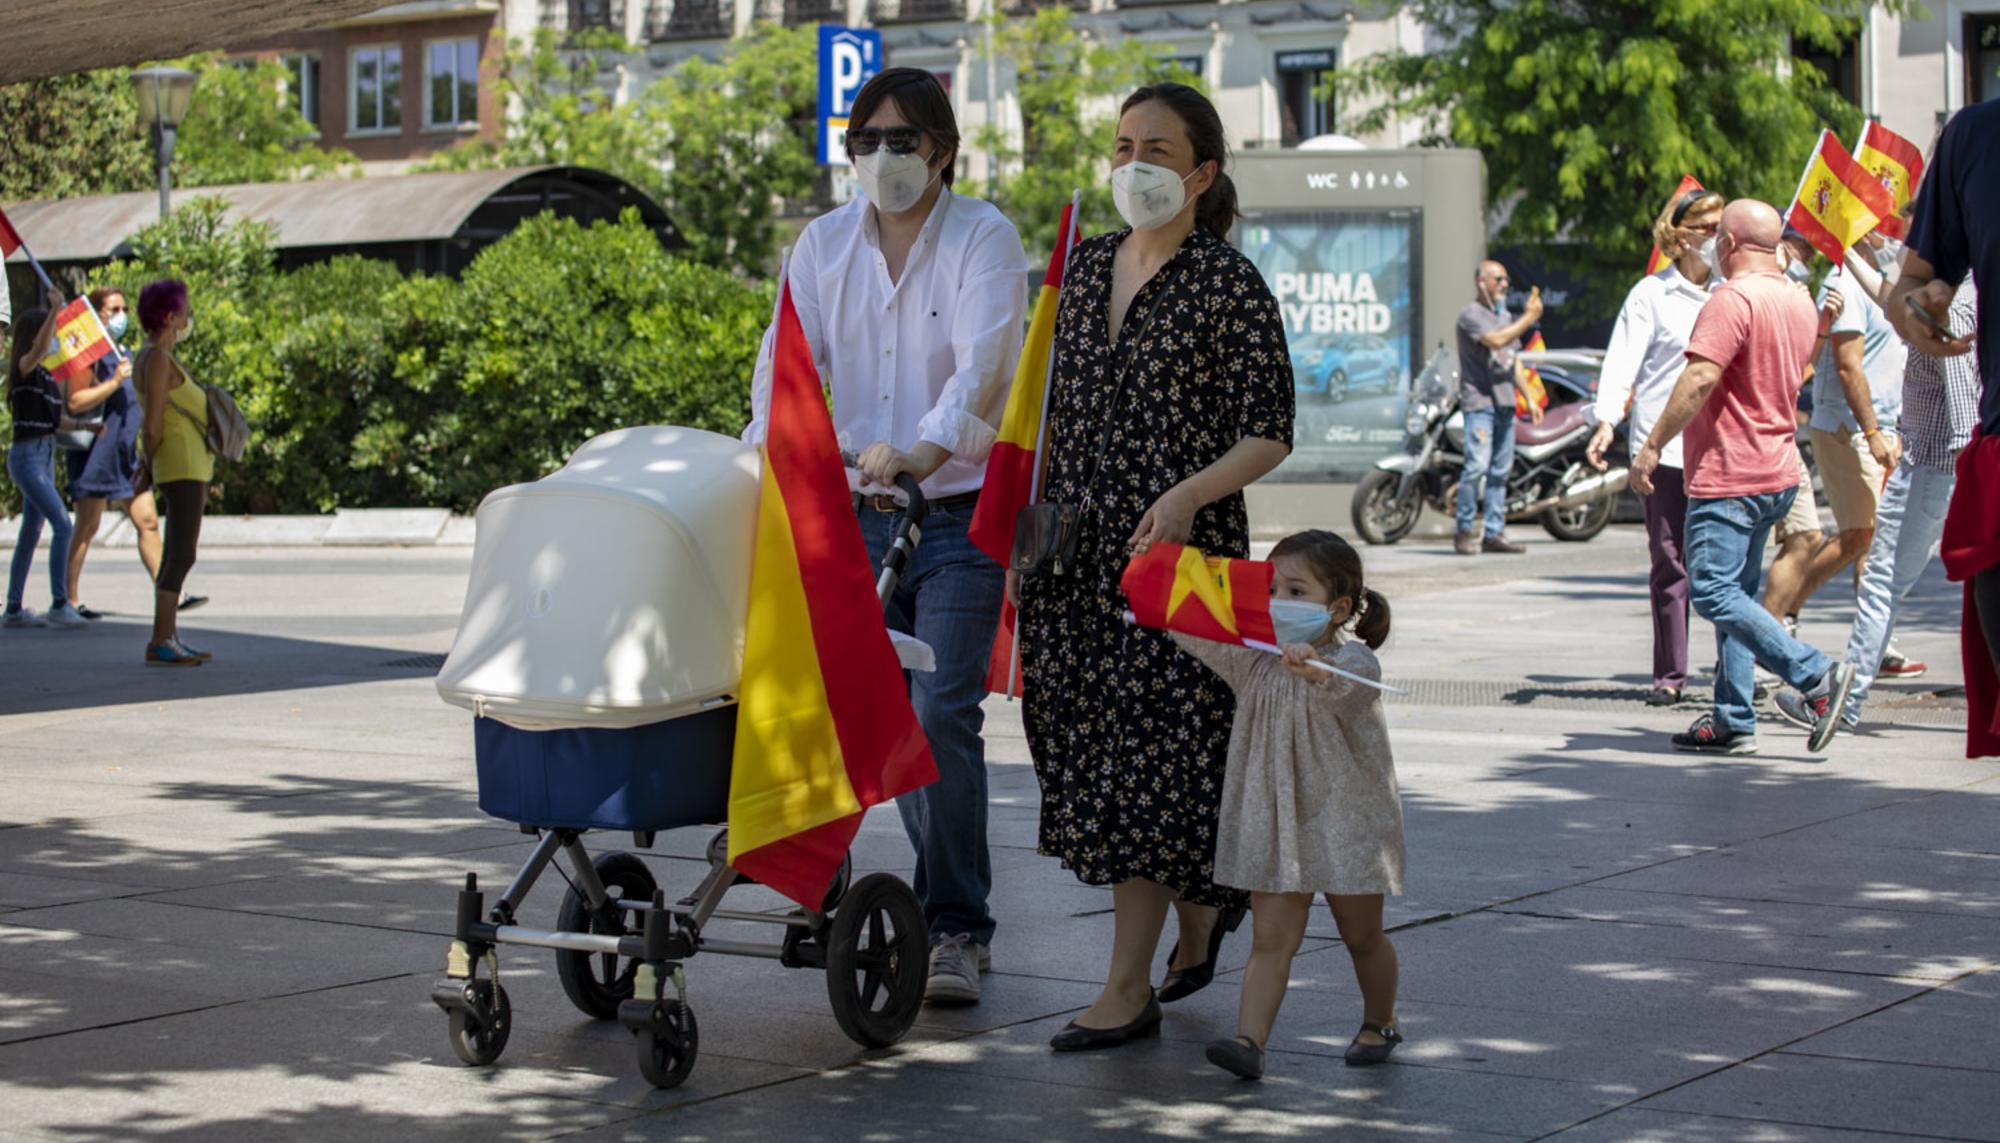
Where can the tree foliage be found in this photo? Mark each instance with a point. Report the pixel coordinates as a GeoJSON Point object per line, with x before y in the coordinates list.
{"type": "Point", "coordinates": [79, 134]}
{"type": "Point", "coordinates": [1068, 87]}
{"type": "Point", "coordinates": [718, 143]}
{"type": "Point", "coordinates": [1590, 111]}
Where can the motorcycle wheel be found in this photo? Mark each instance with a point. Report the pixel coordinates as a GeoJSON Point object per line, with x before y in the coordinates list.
{"type": "Point", "coordinates": [1575, 525]}
{"type": "Point", "coordinates": [1379, 517]}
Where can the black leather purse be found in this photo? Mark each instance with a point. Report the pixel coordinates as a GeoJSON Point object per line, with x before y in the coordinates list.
{"type": "Point", "coordinates": [1047, 534]}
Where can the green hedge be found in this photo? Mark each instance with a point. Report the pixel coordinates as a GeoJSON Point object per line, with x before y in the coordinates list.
{"type": "Point", "coordinates": [368, 389]}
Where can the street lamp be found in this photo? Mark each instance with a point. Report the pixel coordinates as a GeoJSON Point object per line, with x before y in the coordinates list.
{"type": "Point", "coordinates": [164, 94]}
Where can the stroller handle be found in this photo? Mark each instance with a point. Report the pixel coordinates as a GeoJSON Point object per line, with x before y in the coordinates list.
{"type": "Point", "coordinates": [918, 507]}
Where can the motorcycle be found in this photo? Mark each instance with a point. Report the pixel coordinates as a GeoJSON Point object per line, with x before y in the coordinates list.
{"type": "Point", "coordinates": [1551, 480]}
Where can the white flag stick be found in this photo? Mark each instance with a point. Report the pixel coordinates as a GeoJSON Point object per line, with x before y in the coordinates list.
{"type": "Point", "coordinates": [1329, 668]}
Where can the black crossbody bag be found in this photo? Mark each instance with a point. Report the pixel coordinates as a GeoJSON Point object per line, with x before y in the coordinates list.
{"type": "Point", "coordinates": [1046, 535]}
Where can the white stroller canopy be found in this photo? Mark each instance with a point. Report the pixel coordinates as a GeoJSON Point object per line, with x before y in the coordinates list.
{"type": "Point", "coordinates": [612, 592]}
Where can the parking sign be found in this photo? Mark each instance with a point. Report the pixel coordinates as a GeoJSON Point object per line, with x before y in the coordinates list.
{"type": "Point", "coordinates": [848, 59]}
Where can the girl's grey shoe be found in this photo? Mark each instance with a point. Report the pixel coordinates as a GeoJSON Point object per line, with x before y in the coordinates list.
{"type": "Point", "coordinates": [1361, 1055]}
{"type": "Point", "coordinates": [1239, 1055]}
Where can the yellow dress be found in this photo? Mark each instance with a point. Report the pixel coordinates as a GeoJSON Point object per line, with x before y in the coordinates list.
{"type": "Point", "coordinates": [183, 452]}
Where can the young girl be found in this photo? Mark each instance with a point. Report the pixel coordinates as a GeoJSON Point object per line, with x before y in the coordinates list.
{"type": "Point", "coordinates": [1309, 805]}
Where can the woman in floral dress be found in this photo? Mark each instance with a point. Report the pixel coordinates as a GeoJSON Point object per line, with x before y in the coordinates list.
{"type": "Point", "coordinates": [1172, 391]}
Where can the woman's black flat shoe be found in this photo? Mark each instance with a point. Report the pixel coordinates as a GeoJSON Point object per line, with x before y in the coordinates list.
{"type": "Point", "coordinates": [1181, 983]}
{"type": "Point", "coordinates": [1664, 696]}
{"type": "Point", "coordinates": [1239, 1055]}
{"type": "Point", "coordinates": [1361, 1055]}
{"type": "Point", "coordinates": [1075, 1038]}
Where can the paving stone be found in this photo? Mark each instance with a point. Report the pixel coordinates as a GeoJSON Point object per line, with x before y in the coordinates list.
{"type": "Point", "coordinates": [1633, 1125]}
{"type": "Point", "coordinates": [1819, 1092]}
{"type": "Point", "coordinates": [1955, 1026]}
{"type": "Point", "coordinates": [1790, 869]}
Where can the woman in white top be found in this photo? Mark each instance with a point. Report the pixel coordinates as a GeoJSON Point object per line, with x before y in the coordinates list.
{"type": "Point", "coordinates": [1646, 355]}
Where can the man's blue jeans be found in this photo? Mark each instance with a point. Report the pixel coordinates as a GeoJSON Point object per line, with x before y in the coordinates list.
{"type": "Point", "coordinates": [1909, 522]}
{"type": "Point", "coordinates": [949, 598]}
{"type": "Point", "coordinates": [31, 465]}
{"type": "Point", "coordinates": [1489, 455]}
{"type": "Point", "coordinates": [1725, 561]}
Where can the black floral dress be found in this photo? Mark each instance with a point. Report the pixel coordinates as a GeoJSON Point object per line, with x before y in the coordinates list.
{"type": "Point", "coordinates": [1130, 736]}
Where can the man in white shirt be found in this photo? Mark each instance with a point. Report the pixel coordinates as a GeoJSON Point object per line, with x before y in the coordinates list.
{"type": "Point", "coordinates": [913, 299]}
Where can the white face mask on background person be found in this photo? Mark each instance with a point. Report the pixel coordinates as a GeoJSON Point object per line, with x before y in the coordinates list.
{"type": "Point", "coordinates": [893, 182]}
{"type": "Point", "coordinates": [116, 325]}
{"type": "Point", "coordinates": [1711, 253]}
{"type": "Point", "coordinates": [1299, 620]}
{"type": "Point", "coordinates": [1888, 254]}
{"type": "Point", "coordinates": [1797, 271]}
{"type": "Point", "coordinates": [1148, 197]}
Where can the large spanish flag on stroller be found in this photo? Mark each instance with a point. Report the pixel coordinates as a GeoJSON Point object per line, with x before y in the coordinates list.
{"type": "Point", "coordinates": [824, 726]}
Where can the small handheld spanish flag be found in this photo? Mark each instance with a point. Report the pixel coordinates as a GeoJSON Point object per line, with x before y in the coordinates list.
{"type": "Point", "coordinates": [1531, 391]}
{"type": "Point", "coordinates": [1838, 201]}
{"type": "Point", "coordinates": [1172, 587]}
{"type": "Point", "coordinates": [1894, 162]}
{"type": "Point", "coordinates": [80, 341]}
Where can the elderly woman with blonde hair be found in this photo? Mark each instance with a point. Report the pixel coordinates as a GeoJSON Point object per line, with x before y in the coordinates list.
{"type": "Point", "coordinates": [1647, 352]}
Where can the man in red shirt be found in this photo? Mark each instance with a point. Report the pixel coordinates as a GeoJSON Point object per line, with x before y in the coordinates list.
{"type": "Point", "coordinates": [1746, 360]}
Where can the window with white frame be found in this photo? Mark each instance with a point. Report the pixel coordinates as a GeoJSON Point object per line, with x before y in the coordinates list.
{"type": "Point", "coordinates": [302, 84]}
{"type": "Point", "coordinates": [1194, 64]}
{"type": "Point", "coordinates": [375, 90]}
{"type": "Point", "coordinates": [1305, 95]}
{"type": "Point", "coordinates": [451, 73]}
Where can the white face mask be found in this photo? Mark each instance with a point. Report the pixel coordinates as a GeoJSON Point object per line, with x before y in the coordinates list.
{"type": "Point", "coordinates": [1797, 271]}
{"type": "Point", "coordinates": [1711, 253]}
{"type": "Point", "coordinates": [1888, 254]}
{"type": "Point", "coordinates": [1298, 620]}
{"type": "Point", "coordinates": [893, 182]}
{"type": "Point", "coordinates": [1148, 197]}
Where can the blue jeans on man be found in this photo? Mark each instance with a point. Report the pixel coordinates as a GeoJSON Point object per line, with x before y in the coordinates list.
{"type": "Point", "coordinates": [31, 465]}
{"type": "Point", "coordinates": [1725, 561]}
{"type": "Point", "coordinates": [1909, 522]}
{"type": "Point", "coordinates": [950, 598]}
{"type": "Point", "coordinates": [1489, 456]}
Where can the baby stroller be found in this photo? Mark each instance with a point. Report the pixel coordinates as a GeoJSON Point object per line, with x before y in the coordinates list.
{"type": "Point", "coordinates": [599, 652]}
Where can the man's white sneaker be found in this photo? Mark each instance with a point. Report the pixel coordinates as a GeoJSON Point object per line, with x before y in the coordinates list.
{"type": "Point", "coordinates": [955, 966]}
{"type": "Point", "coordinates": [66, 616]}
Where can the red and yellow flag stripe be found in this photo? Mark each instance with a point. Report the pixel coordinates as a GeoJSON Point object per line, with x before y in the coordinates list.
{"type": "Point", "coordinates": [824, 726]}
{"type": "Point", "coordinates": [1894, 162]}
{"type": "Point", "coordinates": [1659, 261]}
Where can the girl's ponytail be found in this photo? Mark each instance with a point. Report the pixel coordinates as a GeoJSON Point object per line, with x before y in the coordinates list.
{"type": "Point", "coordinates": [1371, 624]}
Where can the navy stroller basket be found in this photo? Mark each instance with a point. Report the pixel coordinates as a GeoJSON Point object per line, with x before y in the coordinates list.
{"type": "Point", "coordinates": [599, 651]}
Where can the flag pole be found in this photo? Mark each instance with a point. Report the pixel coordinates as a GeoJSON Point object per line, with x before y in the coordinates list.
{"type": "Point", "coordinates": [1066, 243]}
{"type": "Point", "coordinates": [1329, 668]}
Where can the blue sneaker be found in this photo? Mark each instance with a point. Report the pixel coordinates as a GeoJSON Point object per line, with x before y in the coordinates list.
{"type": "Point", "coordinates": [171, 654]}
{"type": "Point", "coordinates": [23, 618]}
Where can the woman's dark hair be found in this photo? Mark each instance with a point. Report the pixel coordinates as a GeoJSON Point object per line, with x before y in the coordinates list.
{"type": "Point", "coordinates": [27, 324]}
{"type": "Point", "coordinates": [1216, 209]}
{"type": "Point", "coordinates": [160, 301]}
{"type": "Point", "coordinates": [103, 294]}
{"type": "Point", "coordinates": [1337, 566]}
{"type": "Point", "coordinates": [923, 102]}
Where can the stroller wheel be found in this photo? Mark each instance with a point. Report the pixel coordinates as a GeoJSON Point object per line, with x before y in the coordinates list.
{"type": "Point", "coordinates": [479, 1033]}
{"type": "Point", "coordinates": [877, 955]}
{"type": "Point", "coordinates": [667, 1054]}
{"type": "Point", "coordinates": [597, 982]}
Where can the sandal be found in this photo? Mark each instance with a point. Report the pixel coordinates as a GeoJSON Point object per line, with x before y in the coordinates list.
{"type": "Point", "coordinates": [1362, 1055]}
{"type": "Point", "coordinates": [1181, 983]}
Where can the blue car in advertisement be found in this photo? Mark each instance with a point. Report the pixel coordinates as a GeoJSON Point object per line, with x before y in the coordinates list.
{"type": "Point", "coordinates": [1344, 366]}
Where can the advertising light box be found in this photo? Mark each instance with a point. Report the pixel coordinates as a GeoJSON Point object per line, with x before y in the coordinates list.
{"type": "Point", "coordinates": [1349, 284]}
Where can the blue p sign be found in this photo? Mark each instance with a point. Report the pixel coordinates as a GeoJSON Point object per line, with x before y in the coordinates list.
{"type": "Point", "coordinates": [848, 59]}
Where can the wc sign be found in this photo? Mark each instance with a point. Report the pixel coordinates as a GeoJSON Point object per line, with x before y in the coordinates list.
{"type": "Point", "coordinates": [848, 59]}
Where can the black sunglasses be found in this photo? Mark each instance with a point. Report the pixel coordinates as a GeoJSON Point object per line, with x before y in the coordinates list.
{"type": "Point", "coordinates": [900, 140]}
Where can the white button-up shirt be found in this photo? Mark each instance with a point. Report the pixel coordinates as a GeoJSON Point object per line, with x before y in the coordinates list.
{"type": "Point", "coordinates": [1648, 350]}
{"type": "Point", "coordinates": [927, 358]}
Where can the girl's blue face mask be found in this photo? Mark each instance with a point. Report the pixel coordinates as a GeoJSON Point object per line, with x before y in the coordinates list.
{"type": "Point", "coordinates": [1299, 620]}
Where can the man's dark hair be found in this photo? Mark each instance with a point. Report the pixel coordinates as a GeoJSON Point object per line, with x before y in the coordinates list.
{"type": "Point", "coordinates": [923, 102]}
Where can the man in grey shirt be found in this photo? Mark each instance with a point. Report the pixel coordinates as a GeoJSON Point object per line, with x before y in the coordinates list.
{"type": "Point", "coordinates": [1488, 340]}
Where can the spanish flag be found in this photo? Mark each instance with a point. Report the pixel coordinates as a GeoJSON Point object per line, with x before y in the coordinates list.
{"type": "Point", "coordinates": [80, 342]}
{"type": "Point", "coordinates": [1838, 201]}
{"type": "Point", "coordinates": [1896, 163]}
{"type": "Point", "coordinates": [1531, 388]}
{"type": "Point", "coordinates": [1177, 588]}
{"type": "Point", "coordinates": [1013, 468]}
{"type": "Point", "coordinates": [824, 726]}
{"type": "Point", "coordinates": [1659, 261]}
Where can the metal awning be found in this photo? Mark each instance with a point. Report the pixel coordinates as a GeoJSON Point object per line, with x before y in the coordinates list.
{"type": "Point", "coordinates": [324, 212]}
{"type": "Point", "coordinates": [57, 37]}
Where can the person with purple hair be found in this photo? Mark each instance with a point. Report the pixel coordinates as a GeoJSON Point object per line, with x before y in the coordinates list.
{"type": "Point", "coordinates": [175, 433]}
